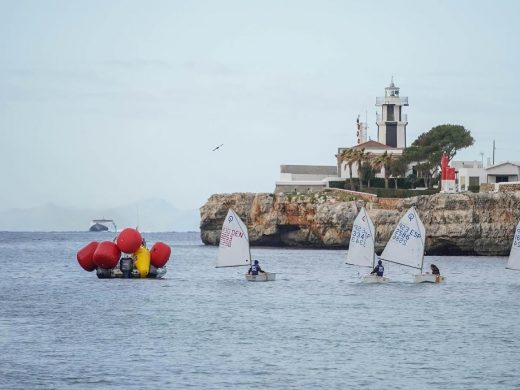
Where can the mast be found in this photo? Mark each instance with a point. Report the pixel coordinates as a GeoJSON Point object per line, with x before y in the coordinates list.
{"type": "Point", "coordinates": [248, 246]}
{"type": "Point", "coordinates": [423, 239]}
{"type": "Point", "coordinates": [373, 244]}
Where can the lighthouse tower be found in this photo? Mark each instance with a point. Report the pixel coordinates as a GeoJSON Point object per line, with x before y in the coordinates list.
{"type": "Point", "coordinates": [391, 122]}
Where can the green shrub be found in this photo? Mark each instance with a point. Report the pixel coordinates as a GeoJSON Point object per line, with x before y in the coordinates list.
{"type": "Point", "coordinates": [399, 193]}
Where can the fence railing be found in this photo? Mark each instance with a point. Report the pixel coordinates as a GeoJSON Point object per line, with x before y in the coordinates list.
{"type": "Point", "coordinates": [403, 101]}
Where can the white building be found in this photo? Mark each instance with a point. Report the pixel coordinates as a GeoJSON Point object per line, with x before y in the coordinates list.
{"type": "Point", "coordinates": [473, 174]}
{"type": "Point", "coordinates": [504, 172]}
{"type": "Point", "coordinates": [469, 174]}
{"type": "Point", "coordinates": [372, 148]}
{"type": "Point", "coordinates": [391, 122]}
{"type": "Point", "coordinates": [305, 178]}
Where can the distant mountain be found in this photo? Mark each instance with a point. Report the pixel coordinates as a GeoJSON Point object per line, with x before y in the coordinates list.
{"type": "Point", "coordinates": [155, 215]}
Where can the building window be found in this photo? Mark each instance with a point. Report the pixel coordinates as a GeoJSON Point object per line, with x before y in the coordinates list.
{"type": "Point", "coordinates": [390, 113]}
{"type": "Point", "coordinates": [474, 181]}
{"type": "Point", "coordinates": [502, 179]}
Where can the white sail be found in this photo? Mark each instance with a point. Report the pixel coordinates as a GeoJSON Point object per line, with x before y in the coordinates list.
{"type": "Point", "coordinates": [361, 247]}
{"type": "Point", "coordinates": [514, 255]}
{"type": "Point", "coordinates": [233, 249]}
{"type": "Point", "coordinates": [406, 246]}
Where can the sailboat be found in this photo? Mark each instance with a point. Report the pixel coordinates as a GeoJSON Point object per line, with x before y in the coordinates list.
{"type": "Point", "coordinates": [361, 250]}
{"type": "Point", "coordinates": [234, 251]}
{"type": "Point", "coordinates": [514, 256]}
{"type": "Point", "coordinates": [406, 246]}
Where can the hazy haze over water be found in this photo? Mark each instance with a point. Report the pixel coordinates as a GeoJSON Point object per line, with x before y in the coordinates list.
{"type": "Point", "coordinates": [105, 103]}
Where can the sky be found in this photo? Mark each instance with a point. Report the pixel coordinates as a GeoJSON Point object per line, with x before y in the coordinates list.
{"type": "Point", "coordinates": [104, 103]}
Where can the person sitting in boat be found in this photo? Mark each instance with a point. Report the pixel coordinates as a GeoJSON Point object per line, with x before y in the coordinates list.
{"type": "Point", "coordinates": [255, 269]}
{"type": "Point", "coordinates": [378, 269]}
{"type": "Point", "coordinates": [435, 270]}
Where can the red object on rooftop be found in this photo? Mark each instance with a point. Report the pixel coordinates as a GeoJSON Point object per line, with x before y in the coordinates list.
{"type": "Point", "coordinates": [444, 165]}
{"type": "Point", "coordinates": [450, 173]}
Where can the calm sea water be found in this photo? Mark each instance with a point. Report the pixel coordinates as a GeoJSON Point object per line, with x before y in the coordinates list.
{"type": "Point", "coordinates": [201, 327]}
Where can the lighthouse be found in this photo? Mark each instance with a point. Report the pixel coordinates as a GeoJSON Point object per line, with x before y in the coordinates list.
{"type": "Point", "coordinates": [391, 121]}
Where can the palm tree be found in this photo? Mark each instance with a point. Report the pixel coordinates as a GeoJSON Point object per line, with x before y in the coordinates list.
{"type": "Point", "coordinates": [366, 170]}
{"type": "Point", "coordinates": [349, 157]}
{"type": "Point", "coordinates": [359, 157]}
{"type": "Point", "coordinates": [383, 161]}
{"type": "Point", "coordinates": [398, 168]}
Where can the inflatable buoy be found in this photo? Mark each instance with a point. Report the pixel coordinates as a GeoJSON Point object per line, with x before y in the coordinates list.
{"type": "Point", "coordinates": [129, 240]}
{"type": "Point", "coordinates": [85, 254]}
{"type": "Point", "coordinates": [159, 254]}
{"type": "Point", "coordinates": [106, 255]}
{"type": "Point", "coordinates": [142, 261]}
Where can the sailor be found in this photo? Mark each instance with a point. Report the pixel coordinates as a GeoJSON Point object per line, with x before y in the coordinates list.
{"type": "Point", "coordinates": [255, 269]}
{"type": "Point", "coordinates": [435, 270]}
{"type": "Point", "coordinates": [378, 269]}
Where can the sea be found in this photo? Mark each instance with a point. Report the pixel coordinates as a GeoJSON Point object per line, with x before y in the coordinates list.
{"type": "Point", "coordinates": [316, 327]}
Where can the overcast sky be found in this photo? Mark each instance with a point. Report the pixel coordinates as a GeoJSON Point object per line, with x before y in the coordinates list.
{"type": "Point", "coordinates": [103, 103]}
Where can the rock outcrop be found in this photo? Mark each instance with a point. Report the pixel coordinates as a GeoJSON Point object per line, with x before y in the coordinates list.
{"type": "Point", "coordinates": [456, 224]}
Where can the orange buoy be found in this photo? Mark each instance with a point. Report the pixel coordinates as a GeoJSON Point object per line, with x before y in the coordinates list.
{"type": "Point", "coordinates": [106, 255]}
{"type": "Point", "coordinates": [159, 254]}
{"type": "Point", "coordinates": [129, 240]}
{"type": "Point", "coordinates": [85, 255]}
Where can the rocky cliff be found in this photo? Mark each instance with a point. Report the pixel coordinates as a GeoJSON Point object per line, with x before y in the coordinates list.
{"type": "Point", "coordinates": [456, 224]}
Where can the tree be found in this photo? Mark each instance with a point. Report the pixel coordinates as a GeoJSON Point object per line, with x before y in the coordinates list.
{"type": "Point", "coordinates": [354, 156]}
{"type": "Point", "coordinates": [366, 171]}
{"type": "Point", "coordinates": [398, 168]}
{"type": "Point", "coordinates": [412, 179]}
{"type": "Point", "coordinates": [383, 161]}
{"type": "Point", "coordinates": [349, 157]}
{"type": "Point", "coordinates": [427, 149]}
{"type": "Point", "coordinates": [359, 157]}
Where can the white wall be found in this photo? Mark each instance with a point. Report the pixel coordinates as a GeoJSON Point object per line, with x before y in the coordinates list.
{"type": "Point", "coordinates": [464, 175]}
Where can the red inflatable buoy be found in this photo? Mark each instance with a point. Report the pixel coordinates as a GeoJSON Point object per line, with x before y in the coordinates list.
{"type": "Point", "coordinates": [85, 254]}
{"type": "Point", "coordinates": [106, 255]}
{"type": "Point", "coordinates": [129, 240]}
{"type": "Point", "coordinates": [159, 254]}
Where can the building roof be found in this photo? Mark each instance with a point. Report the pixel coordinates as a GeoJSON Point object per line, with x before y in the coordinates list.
{"type": "Point", "coordinates": [515, 163]}
{"type": "Point", "coordinates": [331, 170]}
{"type": "Point", "coordinates": [372, 145]}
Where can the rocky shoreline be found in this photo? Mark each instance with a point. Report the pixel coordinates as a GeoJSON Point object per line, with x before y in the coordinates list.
{"type": "Point", "coordinates": [456, 224]}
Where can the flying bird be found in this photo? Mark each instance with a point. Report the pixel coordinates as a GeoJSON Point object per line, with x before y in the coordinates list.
{"type": "Point", "coordinates": [217, 147]}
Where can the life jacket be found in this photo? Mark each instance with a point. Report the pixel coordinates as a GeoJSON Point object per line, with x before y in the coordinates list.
{"type": "Point", "coordinates": [380, 270]}
{"type": "Point", "coordinates": [254, 269]}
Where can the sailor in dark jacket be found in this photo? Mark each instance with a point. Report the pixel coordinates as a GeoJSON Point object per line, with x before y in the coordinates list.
{"type": "Point", "coordinates": [435, 270]}
{"type": "Point", "coordinates": [255, 269]}
{"type": "Point", "coordinates": [378, 269]}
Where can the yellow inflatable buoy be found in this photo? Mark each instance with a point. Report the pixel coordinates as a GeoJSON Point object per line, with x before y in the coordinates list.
{"type": "Point", "coordinates": [142, 261]}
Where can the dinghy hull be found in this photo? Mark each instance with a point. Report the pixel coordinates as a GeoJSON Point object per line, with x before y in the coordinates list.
{"type": "Point", "coordinates": [116, 273]}
{"type": "Point", "coordinates": [265, 277]}
{"type": "Point", "coordinates": [374, 279]}
{"type": "Point", "coordinates": [428, 278]}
